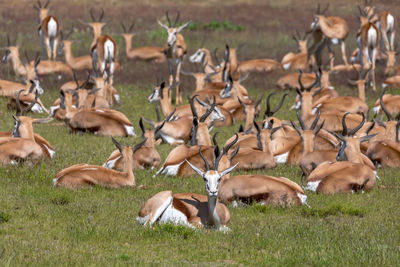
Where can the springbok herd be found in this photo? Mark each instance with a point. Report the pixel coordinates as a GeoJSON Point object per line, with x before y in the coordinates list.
{"type": "Point", "coordinates": [334, 143]}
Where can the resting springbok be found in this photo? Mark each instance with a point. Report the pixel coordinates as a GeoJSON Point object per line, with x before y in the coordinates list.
{"type": "Point", "coordinates": [368, 42]}
{"type": "Point", "coordinates": [203, 56]}
{"type": "Point", "coordinates": [82, 175]}
{"type": "Point", "coordinates": [189, 209]}
{"type": "Point", "coordinates": [144, 154]}
{"type": "Point", "coordinates": [299, 60]}
{"type": "Point", "coordinates": [262, 189]}
{"type": "Point", "coordinates": [390, 101]}
{"type": "Point", "coordinates": [26, 98]}
{"type": "Point", "coordinates": [145, 53]}
{"type": "Point", "coordinates": [353, 171]}
{"type": "Point", "coordinates": [100, 121]}
{"type": "Point", "coordinates": [76, 63]}
{"type": "Point", "coordinates": [261, 158]}
{"type": "Point", "coordinates": [49, 29]}
{"type": "Point", "coordinates": [327, 31]}
{"type": "Point", "coordinates": [175, 51]}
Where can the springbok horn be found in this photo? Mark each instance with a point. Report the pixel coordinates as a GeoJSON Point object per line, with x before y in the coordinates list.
{"type": "Point", "coordinates": [204, 159]}
{"type": "Point", "coordinates": [118, 145]}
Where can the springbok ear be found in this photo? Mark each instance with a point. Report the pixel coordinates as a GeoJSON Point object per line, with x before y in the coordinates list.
{"type": "Point", "coordinates": [229, 170]}
{"type": "Point", "coordinates": [181, 28]}
{"type": "Point", "coordinates": [197, 170]}
{"type": "Point", "coordinates": [163, 25]}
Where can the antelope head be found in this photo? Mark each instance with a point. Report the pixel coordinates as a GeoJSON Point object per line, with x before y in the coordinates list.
{"type": "Point", "coordinates": [301, 41]}
{"type": "Point", "coordinates": [226, 92]}
{"type": "Point", "coordinates": [65, 40]}
{"type": "Point", "coordinates": [198, 56]}
{"type": "Point", "coordinates": [318, 14]}
{"type": "Point", "coordinates": [212, 178]}
{"type": "Point", "coordinates": [270, 112]}
{"type": "Point", "coordinates": [173, 30]}
{"type": "Point", "coordinates": [157, 93]}
{"type": "Point", "coordinates": [213, 109]}
{"type": "Point", "coordinates": [43, 10]}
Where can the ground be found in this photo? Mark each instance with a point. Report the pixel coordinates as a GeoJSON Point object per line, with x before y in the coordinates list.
{"type": "Point", "coordinates": [42, 225]}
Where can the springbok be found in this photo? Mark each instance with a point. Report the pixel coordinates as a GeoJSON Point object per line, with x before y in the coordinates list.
{"type": "Point", "coordinates": [175, 51]}
{"type": "Point", "coordinates": [25, 99]}
{"type": "Point", "coordinates": [104, 52]}
{"type": "Point", "coordinates": [82, 175]}
{"type": "Point", "coordinates": [144, 154]}
{"type": "Point", "coordinates": [299, 60]}
{"type": "Point", "coordinates": [361, 82]}
{"type": "Point", "coordinates": [96, 25]}
{"type": "Point", "coordinates": [76, 63]}
{"type": "Point", "coordinates": [328, 30]}
{"type": "Point", "coordinates": [262, 189]}
{"type": "Point", "coordinates": [203, 56]}
{"type": "Point", "coordinates": [189, 209]}
{"type": "Point", "coordinates": [352, 171]}
{"type": "Point", "coordinates": [261, 158]}
{"type": "Point", "coordinates": [49, 29]}
{"type": "Point", "coordinates": [390, 101]}
{"type": "Point", "coordinates": [145, 53]}
{"type": "Point", "coordinates": [368, 42]}
{"type": "Point", "coordinates": [291, 80]}
{"type": "Point", "coordinates": [104, 122]}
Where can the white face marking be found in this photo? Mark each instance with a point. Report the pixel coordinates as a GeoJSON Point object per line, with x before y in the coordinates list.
{"type": "Point", "coordinates": [172, 32]}
{"type": "Point", "coordinates": [217, 115]}
{"type": "Point", "coordinates": [197, 57]}
{"type": "Point", "coordinates": [312, 186]}
{"type": "Point", "coordinates": [154, 96]}
{"type": "Point", "coordinates": [212, 180]}
{"type": "Point", "coordinates": [38, 88]}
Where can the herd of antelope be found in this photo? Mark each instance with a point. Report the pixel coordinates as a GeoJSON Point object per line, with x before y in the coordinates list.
{"type": "Point", "coordinates": [334, 142]}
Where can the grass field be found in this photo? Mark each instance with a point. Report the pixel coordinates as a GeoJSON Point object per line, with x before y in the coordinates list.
{"type": "Point", "coordinates": [41, 225]}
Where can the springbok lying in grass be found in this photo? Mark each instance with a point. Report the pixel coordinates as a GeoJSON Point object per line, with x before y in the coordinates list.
{"type": "Point", "coordinates": [262, 189]}
{"type": "Point", "coordinates": [82, 175]}
{"type": "Point", "coordinates": [145, 53]}
{"type": "Point", "coordinates": [76, 63]}
{"type": "Point", "coordinates": [104, 122]}
{"type": "Point", "coordinates": [26, 98]}
{"type": "Point", "coordinates": [23, 143]}
{"type": "Point", "coordinates": [189, 209]}
{"type": "Point", "coordinates": [353, 171]}
{"type": "Point", "coordinates": [299, 60]}
{"type": "Point", "coordinates": [144, 154]}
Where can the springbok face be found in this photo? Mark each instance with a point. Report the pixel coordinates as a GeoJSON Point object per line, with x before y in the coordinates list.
{"type": "Point", "coordinates": [37, 86]}
{"type": "Point", "coordinates": [157, 93]}
{"type": "Point", "coordinates": [217, 115]}
{"type": "Point", "coordinates": [172, 32]}
{"type": "Point", "coordinates": [226, 92]}
{"type": "Point", "coordinates": [315, 23]}
{"type": "Point", "coordinates": [197, 57]}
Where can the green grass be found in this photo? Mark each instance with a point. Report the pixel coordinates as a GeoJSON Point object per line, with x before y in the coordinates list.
{"type": "Point", "coordinates": [42, 225]}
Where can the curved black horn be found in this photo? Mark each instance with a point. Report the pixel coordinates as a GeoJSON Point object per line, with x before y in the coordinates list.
{"type": "Point", "coordinates": [142, 126]}
{"type": "Point", "coordinates": [177, 18]}
{"type": "Point", "coordinates": [355, 130]}
{"type": "Point", "coordinates": [204, 159]}
{"type": "Point", "coordinates": [387, 113]}
{"type": "Point", "coordinates": [18, 103]}
{"type": "Point", "coordinates": [25, 111]}
{"type": "Point", "coordinates": [214, 139]}
{"type": "Point", "coordinates": [316, 119]}
{"type": "Point", "coordinates": [344, 126]}
{"type": "Point", "coordinates": [302, 125]}
{"type": "Point", "coordinates": [280, 104]}
{"type": "Point", "coordinates": [118, 145]}
{"type": "Point", "coordinates": [169, 21]}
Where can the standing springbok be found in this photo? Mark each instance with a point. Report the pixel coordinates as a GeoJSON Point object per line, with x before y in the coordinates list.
{"type": "Point", "coordinates": [368, 41]}
{"type": "Point", "coordinates": [189, 209]}
{"type": "Point", "coordinates": [327, 31]}
{"type": "Point", "coordinates": [49, 29]}
{"type": "Point", "coordinates": [96, 25]}
{"type": "Point", "coordinates": [145, 53]}
{"type": "Point", "coordinates": [104, 52]}
{"type": "Point", "coordinates": [175, 51]}
{"type": "Point", "coordinates": [82, 175]}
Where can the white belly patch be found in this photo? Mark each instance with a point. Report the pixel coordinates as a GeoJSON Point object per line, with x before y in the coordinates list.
{"type": "Point", "coordinates": [312, 186]}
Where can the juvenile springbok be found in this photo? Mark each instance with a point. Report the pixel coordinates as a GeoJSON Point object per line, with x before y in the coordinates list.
{"type": "Point", "coordinates": [145, 53]}
{"type": "Point", "coordinates": [144, 154]}
{"type": "Point", "coordinates": [189, 209]}
{"type": "Point", "coordinates": [49, 29]}
{"type": "Point", "coordinates": [328, 30]}
{"type": "Point", "coordinates": [175, 51]}
{"type": "Point", "coordinates": [82, 175]}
